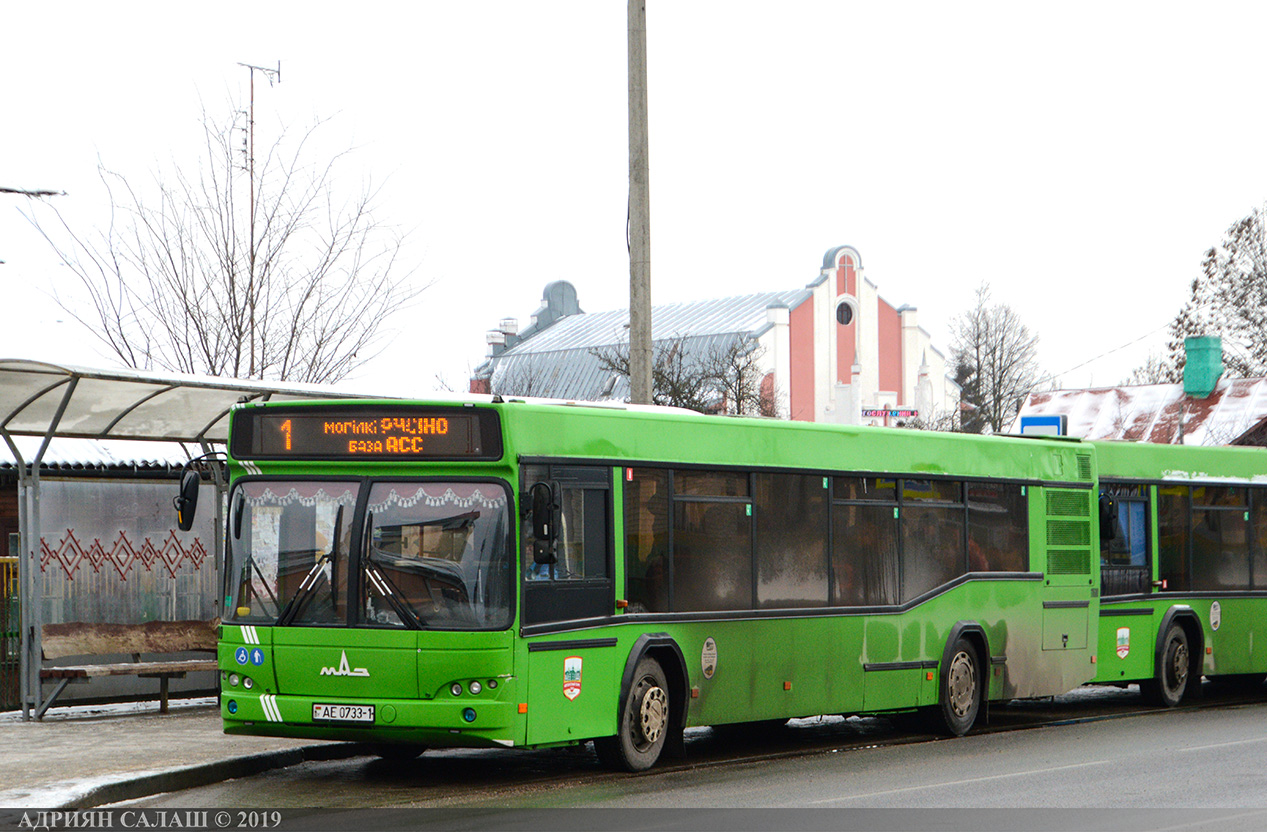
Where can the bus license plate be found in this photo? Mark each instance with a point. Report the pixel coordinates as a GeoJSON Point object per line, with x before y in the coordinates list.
{"type": "Point", "coordinates": [342, 713]}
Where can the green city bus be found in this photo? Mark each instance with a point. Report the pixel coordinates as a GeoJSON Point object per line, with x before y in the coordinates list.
{"type": "Point", "coordinates": [510, 574]}
{"type": "Point", "coordinates": [1183, 567]}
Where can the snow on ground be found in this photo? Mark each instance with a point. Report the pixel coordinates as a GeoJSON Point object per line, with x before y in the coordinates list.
{"type": "Point", "coordinates": [111, 709]}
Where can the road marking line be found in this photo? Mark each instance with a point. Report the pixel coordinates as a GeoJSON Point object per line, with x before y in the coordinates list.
{"type": "Point", "coordinates": [964, 782]}
{"type": "Point", "coordinates": [1222, 744]}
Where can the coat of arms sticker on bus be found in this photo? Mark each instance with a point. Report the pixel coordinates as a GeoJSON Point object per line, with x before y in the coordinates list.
{"type": "Point", "coordinates": [708, 658]}
{"type": "Point", "coordinates": [572, 677]}
{"type": "Point", "coordinates": [1123, 641]}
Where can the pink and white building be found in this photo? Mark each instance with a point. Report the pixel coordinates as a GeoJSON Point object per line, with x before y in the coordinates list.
{"type": "Point", "coordinates": [833, 351]}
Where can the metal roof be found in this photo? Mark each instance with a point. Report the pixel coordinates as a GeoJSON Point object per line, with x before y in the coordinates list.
{"type": "Point", "coordinates": [559, 362]}
{"type": "Point", "coordinates": [578, 375]}
{"type": "Point", "coordinates": [41, 399]}
{"type": "Point", "coordinates": [1158, 413]}
{"type": "Point", "coordinates": [745, 313]}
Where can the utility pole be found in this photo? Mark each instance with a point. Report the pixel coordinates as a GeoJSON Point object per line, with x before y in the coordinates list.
{"type": "Point", "coordinates": [272, 75]}
{"type": "Point", "coordinates": [639, 211]}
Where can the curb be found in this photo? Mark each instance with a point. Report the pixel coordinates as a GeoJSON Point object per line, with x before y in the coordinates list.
{"type": "Point", "coordinates": [190, 777]}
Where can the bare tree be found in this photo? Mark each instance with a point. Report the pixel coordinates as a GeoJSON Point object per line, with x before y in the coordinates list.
{"type": "Point", "coordinates": [996, 362]}
{"type": "Point", "coordinates": [722, 379]}
{"type": "Point", "coordinates": [940, 419]}
{"type": "Point", "coordinates": [678, 377]}
{"type": "Point", "coordinates": [37, 193]}
{"type": "Point", "coordinates": [737, 374]}
{"type": "Point", "coordinates": [1158, 369]}
{"type": "Point", "coordinates": [178, 282]}
{"type": "Point", "coordinates": [1228, 299]}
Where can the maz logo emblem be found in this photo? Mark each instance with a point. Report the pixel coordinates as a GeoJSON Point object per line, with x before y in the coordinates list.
{"type": "Point", "coordinates": [343, 669]}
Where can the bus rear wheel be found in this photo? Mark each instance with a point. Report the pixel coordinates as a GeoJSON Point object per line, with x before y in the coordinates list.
{"type": "Point", "coordinates": [643, 723]}
{"type": "Point", "coordinates": [960, 693]}
{"type": "Point", "coordinates": [1168, 686]}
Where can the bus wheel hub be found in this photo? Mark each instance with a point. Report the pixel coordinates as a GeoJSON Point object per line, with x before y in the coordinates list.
{"type": "Point", "coordinates": [654, 713]}
{"type": "Point", "coordinates": [962, 684]}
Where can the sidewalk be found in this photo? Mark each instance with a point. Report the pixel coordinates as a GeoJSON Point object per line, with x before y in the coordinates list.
{"type": "Point", "coordinates": [83, 756]}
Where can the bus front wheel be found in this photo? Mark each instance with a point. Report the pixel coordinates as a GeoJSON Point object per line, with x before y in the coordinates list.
{"type": "Point", "coordinates": [960, 689]}
{"type": "Point", "coordinates": [643, 723]}
{"type": "Point", "coordinates": [1170, 683]}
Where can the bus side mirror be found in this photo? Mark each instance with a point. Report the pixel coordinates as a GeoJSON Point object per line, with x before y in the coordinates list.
{"type": "Point", "coordinates": [186, 501]}
{"type": "Point", "coordinates": [542, 506]}
{"type": "Point", "coordinates": [1108, 517]}
{"type": "Point", "coordinates": [239, 509]}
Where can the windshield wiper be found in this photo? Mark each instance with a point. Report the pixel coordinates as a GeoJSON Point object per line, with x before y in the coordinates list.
{"type": "Point", "coordinates": [389, 591]}
{"type": "Point", "coordinates": [303, 596]}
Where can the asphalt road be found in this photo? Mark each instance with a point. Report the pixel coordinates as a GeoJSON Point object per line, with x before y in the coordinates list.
{"type": "Point", "coordinates": [1092, 750]}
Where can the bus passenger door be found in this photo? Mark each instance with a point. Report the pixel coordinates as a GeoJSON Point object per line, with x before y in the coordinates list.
{"type": "Point", "coordinates": [578, 583]}
{"type": "Point", "coordinates": [1125, 564]}
{"type": "Point", "coordinates": [570, 675]}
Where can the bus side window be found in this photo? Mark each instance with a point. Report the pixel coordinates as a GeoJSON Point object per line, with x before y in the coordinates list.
{"type": "Point", "coordinates": [646, 515]}
{"type": "Point", "coordinates": [1123, 525]}
{"type": "Point", "coordinates": [577, 584]}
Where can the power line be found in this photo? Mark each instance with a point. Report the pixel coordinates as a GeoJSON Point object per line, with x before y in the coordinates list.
{"type": "Point", "coordinates": [1148, 334]}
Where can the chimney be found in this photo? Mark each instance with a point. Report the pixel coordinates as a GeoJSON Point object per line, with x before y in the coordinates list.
{"type": "Point", "coordinates": [496, 342]}
{"type": "Point", "coordinates": [509, 328]}
{"type": "Point", "coordinates": [1202, 366]}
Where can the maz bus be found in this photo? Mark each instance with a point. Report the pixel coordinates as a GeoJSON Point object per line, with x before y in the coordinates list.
{"type": "Point", "coordinates": [510, 574]}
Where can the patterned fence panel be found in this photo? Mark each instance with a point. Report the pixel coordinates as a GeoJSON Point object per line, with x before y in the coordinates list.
{"type": "Point", "coordinates": [110, 553]}
{"type": "Point", "coordinates": [10, 637]}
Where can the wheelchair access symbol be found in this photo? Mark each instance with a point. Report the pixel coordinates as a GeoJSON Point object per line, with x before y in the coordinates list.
{"type": "Point", "coordinates": [242, 655]}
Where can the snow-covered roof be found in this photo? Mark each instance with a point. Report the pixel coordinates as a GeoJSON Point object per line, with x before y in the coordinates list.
{"type": "Point", "coordinates": [94, 454]}
{"type": "Point", "coordinates": [1157, 413]}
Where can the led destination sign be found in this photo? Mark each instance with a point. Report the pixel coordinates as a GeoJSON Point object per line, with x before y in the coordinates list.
{"type": "Point", "coordinates": [375, 432]}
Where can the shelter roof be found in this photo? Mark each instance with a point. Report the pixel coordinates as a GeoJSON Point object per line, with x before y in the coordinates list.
{"type": "Point", "coordinates": [1157, 413]}
{"type": "Point", "coordinates": [41, 399]}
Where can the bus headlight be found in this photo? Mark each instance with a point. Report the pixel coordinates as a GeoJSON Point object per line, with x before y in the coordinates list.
{"type": "Point", "coordinates": [456, 690]}
{"type": "Point", "coordinates": [475, 688]}
{"type": "Point", "coordinates": [234, 679]}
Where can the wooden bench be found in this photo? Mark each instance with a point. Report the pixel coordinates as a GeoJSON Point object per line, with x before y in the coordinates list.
{"type": "Point", "coordinates": [153, 638]}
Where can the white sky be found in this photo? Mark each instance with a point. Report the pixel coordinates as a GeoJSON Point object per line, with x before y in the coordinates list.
{"type": "Point", "coordinates": [1078, 157]}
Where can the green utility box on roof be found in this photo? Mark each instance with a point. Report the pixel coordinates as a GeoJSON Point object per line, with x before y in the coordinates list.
{"type": "Point", "coordinates": [1203, 366]}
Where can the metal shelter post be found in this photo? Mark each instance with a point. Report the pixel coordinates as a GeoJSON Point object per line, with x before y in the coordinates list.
{"type": "Point", "coordinates": [25, 579]}
{"type": "Point", "coordinates": [222, 488]}
{"type": "Point", "coordinates": [30, 601]}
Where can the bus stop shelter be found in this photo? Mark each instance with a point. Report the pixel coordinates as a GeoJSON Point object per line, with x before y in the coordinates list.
{"type": "Point", "coordinates": [46, 401]}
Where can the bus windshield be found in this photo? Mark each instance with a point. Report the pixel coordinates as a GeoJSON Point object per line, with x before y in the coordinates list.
{"type": "Point", "coordinates": [289, 544]}
{"type": "Point", "coordinates": [437, 555]}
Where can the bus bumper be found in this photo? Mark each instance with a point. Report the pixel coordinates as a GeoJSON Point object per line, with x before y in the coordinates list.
{"type": "Point", "coordinates": [468, 722]}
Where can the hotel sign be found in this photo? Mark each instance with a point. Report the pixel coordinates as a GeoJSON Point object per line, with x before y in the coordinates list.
{"type": "Point", "coordinates": [895, 414]}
